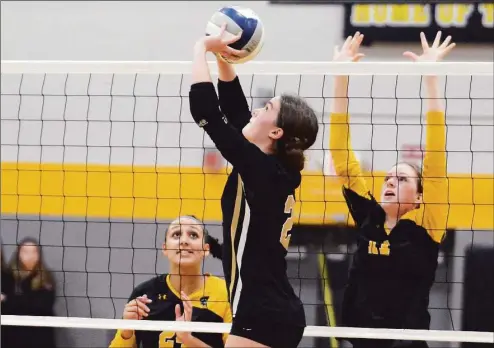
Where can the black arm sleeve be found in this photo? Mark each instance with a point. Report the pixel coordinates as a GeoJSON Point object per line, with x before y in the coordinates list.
{"type": "Point", "coordinates": [248, 159]}
{"type": "Point", "coordinates": [363, 210]}
{"type": "Point", "coordinates": [233, 103]}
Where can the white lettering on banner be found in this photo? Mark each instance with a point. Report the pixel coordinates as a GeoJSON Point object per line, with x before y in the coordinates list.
{"type": "Point", "coordinates": [417, 15]}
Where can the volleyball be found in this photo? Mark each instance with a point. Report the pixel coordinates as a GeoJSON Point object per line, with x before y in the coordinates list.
{"type": "Point", "coordinates": [239, 20]}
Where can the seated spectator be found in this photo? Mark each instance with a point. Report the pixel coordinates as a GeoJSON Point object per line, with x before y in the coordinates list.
{"type": "Point", "coordinates": [6, 292]}
{"type": "Point", "coordinates": [33, 294]}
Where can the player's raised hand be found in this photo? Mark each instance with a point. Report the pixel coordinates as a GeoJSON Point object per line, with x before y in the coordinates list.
{"type": "Point", "coordinates": [433, 53]}
{"type": "Point", "coordinates": [349, 52]}
{"type": "Point", "coordinates": [219, 43]}
{"type": "Point", "coordinates": [137, 308]}
{"type": "Point", "coordinates": [185, 316]}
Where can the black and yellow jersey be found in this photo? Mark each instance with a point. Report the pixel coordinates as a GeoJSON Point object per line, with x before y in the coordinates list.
{"type": "Point", "coordinates": [210, 304]}
{"type": "Point", "coordinates": [256, 204]}
{"type": "Point", "coordinates": [433, 213]}
{"type": "Point", "coordinates": [391, 274]}
{"type": "Point", "coordinates": [393, 270]}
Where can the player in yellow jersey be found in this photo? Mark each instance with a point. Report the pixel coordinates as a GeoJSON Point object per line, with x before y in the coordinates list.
{"type": "Point", "coordinates": [399, 233]}
{"type": "Point", "coordinates": [183, 294]}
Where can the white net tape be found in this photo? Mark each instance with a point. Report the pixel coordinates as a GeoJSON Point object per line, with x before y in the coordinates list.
{"type": "Point", "coordinates": [258, 68]}
{"type": "Point", "coordinates": [310, 331]}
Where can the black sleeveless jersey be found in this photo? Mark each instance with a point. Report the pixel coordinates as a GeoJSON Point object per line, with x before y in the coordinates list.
{"type": "Point", "coordinates": [256, 204]}
{"type": "Point", "coordinates": [210, 304]}
{"type": "Point", "coordinates": [391, 274]}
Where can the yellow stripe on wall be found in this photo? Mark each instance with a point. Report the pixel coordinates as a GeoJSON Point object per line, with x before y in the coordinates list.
{"type": "Point", "coordinates": [163, 193]}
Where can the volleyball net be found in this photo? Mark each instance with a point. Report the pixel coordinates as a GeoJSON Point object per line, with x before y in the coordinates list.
{"type": "Point", "coordinates": [99, 157]}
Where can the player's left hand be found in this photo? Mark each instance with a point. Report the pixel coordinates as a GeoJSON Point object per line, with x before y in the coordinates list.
{"type": "Point", "coordinates": [185, 316]}
{"type": "Point", "coordinates": [219, 43]}
{"type": "Point", "coordinates": [433, 53]}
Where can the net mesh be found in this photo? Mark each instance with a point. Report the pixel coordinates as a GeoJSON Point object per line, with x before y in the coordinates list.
{"type": "Point", "coordinates": [95, 166]}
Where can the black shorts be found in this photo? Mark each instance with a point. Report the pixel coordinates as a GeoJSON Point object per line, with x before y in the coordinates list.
{"type": "Point", "coordinates": [274, 335]}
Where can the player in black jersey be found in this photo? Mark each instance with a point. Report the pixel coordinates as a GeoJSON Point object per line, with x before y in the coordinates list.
{"type": "Point", "coordinates": [185, 293]}
{"type": "Point", "coordinates": [395, 262]}
{"type": "Point", "coordinates": [266, 148]}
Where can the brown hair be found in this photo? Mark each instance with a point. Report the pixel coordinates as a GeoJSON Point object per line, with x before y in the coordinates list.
{"type": "Point", "coordinates": [299, 123]}
{"type": "Point", "coordinates": [420, 178]}
{"type": "Point", "coordinates": [42, 278]}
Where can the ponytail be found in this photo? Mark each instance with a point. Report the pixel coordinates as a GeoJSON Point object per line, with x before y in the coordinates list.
{"type": "Point", "coordinates": [215, 247]}
{"type": "Point", "coordinates": [291, 153]}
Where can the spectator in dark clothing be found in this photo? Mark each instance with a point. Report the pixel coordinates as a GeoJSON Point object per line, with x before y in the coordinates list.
{"type": "Point", "coordinates": [7, 280]}
{"type": "Point", "coordinates": [6, 292]}
{"type": "Point", "coordinates": [33, 295]}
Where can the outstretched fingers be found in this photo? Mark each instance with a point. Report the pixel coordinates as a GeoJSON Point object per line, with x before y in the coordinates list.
{"type": "Point", "coordinates": [346, 44]}
{"type": "Point", "coordinates": [411, 55]}
{"type": "Point", "coordinates": [437, 40]}
{"type": "Point", "coordinates": [356, 41]}
{"type": "Point", "coordinates": [433, 53]}
{"type": "Point", "coordinates": [423, 41]}
{"type": "Point", "coordinates": [446, 51]}
{"type": "Point", "coordinates": [355, 45]}
{"type": "Point", "coordinates": [445, 42]}
{"type": "Point", "coordinates": [349, 49]}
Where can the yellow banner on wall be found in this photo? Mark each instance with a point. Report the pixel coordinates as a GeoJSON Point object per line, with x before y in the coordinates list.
{"type": "Point", "coordinates": [163, 193]}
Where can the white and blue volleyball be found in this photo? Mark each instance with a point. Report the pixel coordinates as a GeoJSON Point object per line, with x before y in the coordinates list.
{"type": "Point", "coordinates": [239, 20]}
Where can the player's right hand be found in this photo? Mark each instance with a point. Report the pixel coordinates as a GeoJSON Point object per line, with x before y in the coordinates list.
{"type": "Point", "coordinates": [350, 50]}
{"type": "Point", "coordinates": [137, 308]}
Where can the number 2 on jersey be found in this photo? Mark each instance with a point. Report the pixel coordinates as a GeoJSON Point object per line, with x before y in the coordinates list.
{"type": "Point", "coordinates": [288, 225]}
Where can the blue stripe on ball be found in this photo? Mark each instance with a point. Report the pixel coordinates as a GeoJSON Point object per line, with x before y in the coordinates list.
{"type": "Point", "coordinates": [248, 26]}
